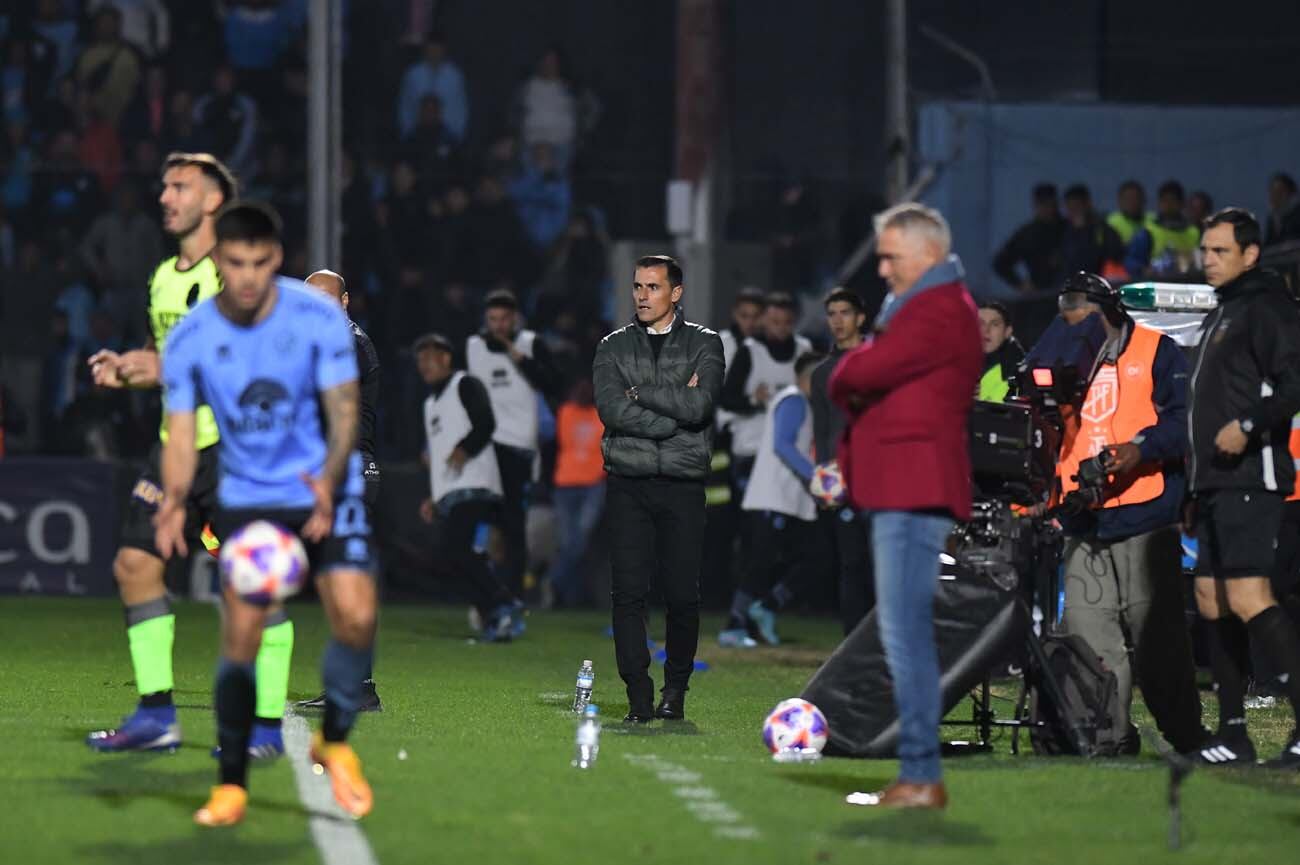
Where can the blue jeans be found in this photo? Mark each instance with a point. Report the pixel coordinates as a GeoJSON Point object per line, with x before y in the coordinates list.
{"type": "Point", "coordinates": [906, 547]}
{"type": "Point", "coordinates": [577, 512]}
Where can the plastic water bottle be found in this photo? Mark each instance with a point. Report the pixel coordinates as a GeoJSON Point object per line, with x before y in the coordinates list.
{"type": "Point", "coordinates": [582, 690]}
{"type": "Point", "coordinates": [586, 744]}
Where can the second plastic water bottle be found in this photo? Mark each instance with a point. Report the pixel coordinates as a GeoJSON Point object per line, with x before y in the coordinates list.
{"type": "Point", "coordinates": [582, 690]}
{"type": "Point", "coordinates": [586, 744]}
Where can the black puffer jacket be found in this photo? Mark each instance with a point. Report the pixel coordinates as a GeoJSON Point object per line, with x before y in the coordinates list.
{"type": "Point", "coordinates": [1246, 367]}
{"type": "Point", "coordinates": [667, 431]}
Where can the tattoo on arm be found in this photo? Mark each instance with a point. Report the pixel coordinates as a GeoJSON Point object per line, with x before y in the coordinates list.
{"type": "Point", "coordinates": [342, 408]}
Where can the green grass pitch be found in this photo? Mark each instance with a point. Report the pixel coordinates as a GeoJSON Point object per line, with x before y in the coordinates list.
{"type": "Point", "coordinates": [486, 779]}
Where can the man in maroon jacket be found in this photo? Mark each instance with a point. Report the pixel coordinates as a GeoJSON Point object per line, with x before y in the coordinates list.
{"type": "Point", "coordinates": [905, 461]}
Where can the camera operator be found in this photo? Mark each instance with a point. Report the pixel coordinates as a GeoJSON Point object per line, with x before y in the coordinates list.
{"type": "Point", "coordinates": [1120, 473]}
{"type": "Point", "coordinates": [1245, 390]}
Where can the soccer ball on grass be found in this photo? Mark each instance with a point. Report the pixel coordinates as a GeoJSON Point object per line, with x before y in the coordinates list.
{"type": "Point", "coordinates": [795, 730]}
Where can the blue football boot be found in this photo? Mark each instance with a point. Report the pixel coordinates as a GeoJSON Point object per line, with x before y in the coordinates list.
{"type": "Point", "coordinates": [264, 744]}
{"type": "Point", "coordinates": [147, 729]}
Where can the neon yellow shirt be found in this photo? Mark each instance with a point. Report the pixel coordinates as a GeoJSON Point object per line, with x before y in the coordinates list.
{"type": "Point", "coordinates": [172, 294]}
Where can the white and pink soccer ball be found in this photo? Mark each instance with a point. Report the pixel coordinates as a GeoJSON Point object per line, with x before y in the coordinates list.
{"type": "Point", "coordinates": [827, 485]}
{"type": "Point", "coordinates": [795, 726]}
{"type": "Point", "coordinates": [263, 563]}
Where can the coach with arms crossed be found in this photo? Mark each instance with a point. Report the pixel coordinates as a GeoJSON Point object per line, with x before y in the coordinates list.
{"type": "Point", "coordinates": [906, 463]}
{"type": "Point", "coordinates": [657, 382]}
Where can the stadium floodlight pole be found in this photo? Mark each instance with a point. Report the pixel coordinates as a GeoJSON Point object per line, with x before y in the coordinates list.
{"type": "Point", "coordinates": [867, 245]}
{"type": "Point", "coordinates": [898, 134]}
{"type": "Point", "coordinates": [324, 131]}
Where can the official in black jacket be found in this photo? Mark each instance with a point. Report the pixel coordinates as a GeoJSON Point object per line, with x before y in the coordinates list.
{"type": "Point", "coordinates": [368, 371]}
{"type": "Point", "coordinates": [657, 383]}
{"type": "Point", "coordinates": [1245, 389]}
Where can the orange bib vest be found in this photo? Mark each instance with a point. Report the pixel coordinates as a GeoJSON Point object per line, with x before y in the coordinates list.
{"type": "Point", "coordinates": [578, 460]}
{"type": "Point", "coordinates": [1118, 406]}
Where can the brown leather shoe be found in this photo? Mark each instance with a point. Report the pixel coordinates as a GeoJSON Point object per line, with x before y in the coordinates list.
{"type": "Point", "coordinates": [903, 794]}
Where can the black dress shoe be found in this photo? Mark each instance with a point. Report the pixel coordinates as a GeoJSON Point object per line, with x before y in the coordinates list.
{"type": "Point", "coordinates": [369, 700]}
{"type": "Point", "coordinates": [635, 717]}
{"type": "Point", "coordinates": [672, 706]}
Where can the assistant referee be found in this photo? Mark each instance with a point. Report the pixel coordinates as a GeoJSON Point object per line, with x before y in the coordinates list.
{"type": "Point", "coordinates": [368, 377]}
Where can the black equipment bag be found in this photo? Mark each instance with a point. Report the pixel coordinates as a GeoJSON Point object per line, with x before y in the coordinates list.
{"type": "Point", "coordinates": [976, 626]}
{"type": "Point", "coordinates": [1090, 697]}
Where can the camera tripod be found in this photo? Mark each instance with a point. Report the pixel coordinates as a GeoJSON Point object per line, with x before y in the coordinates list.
{"type": "Point", "coordinates": [1041, 564]}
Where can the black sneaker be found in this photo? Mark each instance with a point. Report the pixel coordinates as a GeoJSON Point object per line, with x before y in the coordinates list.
{"type": "Point", "coordinates": [1219, 751]}
{"type": "Point", "coordinates": [1290, 756]}
{"type": "Point", "coordinates": [369, 700]}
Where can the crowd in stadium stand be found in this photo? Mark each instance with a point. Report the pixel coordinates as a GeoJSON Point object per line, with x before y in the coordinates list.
{"type": "Point", "coordinates": [443, 201]}
{"type": "Point", "coordinates": [95, 94]}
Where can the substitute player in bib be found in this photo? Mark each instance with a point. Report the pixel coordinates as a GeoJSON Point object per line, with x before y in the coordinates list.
{"type": "Point", "coordinates": [465, 489]}
{"type": "Point", "coordinates": [515, 366]}
{"type": "Point", "coordinates": [195, 187]}
{"type": "Point", "coordinates": [783, 511]}
{"type": "Point", "coordinates": [272, 358]}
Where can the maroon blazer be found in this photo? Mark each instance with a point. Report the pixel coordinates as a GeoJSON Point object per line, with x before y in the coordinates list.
{"type": "Point", "coordinates": [908, 392]}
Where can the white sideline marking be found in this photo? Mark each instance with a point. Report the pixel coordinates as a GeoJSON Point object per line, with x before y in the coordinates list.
{"type": "Point", "coordinates": [337, 836]}
{"type": "Point", "coordinates": [704, 803]}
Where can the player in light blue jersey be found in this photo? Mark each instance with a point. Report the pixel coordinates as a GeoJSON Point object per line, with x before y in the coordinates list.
{"type": "Point", "coordinates": [270, 356]}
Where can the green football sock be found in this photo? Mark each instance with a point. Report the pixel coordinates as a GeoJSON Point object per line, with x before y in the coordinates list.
{"type": "Point", "coordinates": [151, 641]}
{"type": "Point", "coordinates": [273, 661]}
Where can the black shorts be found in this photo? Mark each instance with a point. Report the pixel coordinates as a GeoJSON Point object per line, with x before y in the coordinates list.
{"type": "Point", "coordinates": [347, 546]}
{"type": "Point", "coordinates": [1236, 533]}
{"type": "Point", "coordinates": [147, 494]}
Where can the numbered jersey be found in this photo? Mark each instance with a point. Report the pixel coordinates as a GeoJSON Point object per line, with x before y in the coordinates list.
{"type": "Point", "coordinates": [173, 292]}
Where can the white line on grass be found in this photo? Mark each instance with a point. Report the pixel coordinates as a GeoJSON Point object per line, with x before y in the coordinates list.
{"type": "Point", "coordinates": [337, 836]}
{"type": "Point", "coordinates": [704, 803]}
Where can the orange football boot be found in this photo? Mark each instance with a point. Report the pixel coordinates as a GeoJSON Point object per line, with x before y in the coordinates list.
{"type": "Point", "coordinates": [344, 767]}
{"type": "Point", "coordinates": [225, 806]}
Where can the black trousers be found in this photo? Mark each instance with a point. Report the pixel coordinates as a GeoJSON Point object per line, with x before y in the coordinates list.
{"type": "Point", "coordinates": [516, 467]}
{"type": "Point", "coordinates": [779, 553]}
{"type": "Point", "coordinates": [462, 548]}
{"type": "Point", "coordinates": [857, 568]}
{"type": "Point", "coordinates": [656, 533]}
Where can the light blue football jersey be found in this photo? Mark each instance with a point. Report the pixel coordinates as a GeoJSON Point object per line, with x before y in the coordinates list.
{"type": "Point", "coordinates": [264, 383]}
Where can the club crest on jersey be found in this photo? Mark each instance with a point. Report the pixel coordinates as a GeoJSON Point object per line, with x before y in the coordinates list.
{"type": "Point", "coordinates": [264, 407]}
